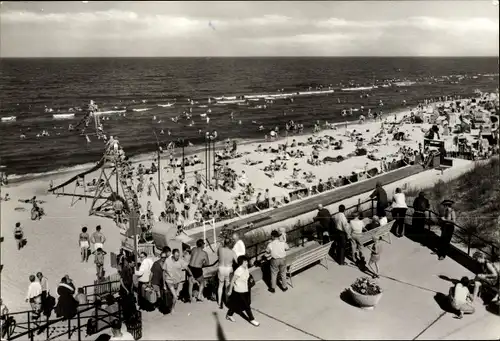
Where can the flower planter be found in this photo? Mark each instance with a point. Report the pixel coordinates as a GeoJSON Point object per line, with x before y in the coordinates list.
{"type": "Point", "coordinates": [365, 301]}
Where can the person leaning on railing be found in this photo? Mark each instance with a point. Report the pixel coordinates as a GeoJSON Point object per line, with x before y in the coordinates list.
{"type": "Point", "coordinates": [381, 196]}
{"type": "Point", "coordinates": [322, 224]}
{"type": "Point", "coordinates": [420, 205]}
{"type": "Point", "coordinates": [448, 227]}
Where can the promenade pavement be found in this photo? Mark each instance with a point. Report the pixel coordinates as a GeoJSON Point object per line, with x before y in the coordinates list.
{"type": "Point", "coordinates": [315, 309]}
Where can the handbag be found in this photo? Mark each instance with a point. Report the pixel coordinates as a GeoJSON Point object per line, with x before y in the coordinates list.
{"type": "Point", "coordinates": [251, 282]}
{"type": "Point", "coordinates": [150, 294]}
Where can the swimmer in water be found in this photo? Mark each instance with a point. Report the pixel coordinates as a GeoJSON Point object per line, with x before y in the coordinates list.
{"type": "Point", "coordinates": [83, 241]}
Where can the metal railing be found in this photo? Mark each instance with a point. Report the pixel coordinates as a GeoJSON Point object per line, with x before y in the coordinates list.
{"type": "Point", "coordinates": [32, 323]}
{"type": "Point", "coordinates": [297, 236]}
{"type": "Point", "coordinates": [307, 191]}
{"type": "Point", "coordinates": [110, 285]}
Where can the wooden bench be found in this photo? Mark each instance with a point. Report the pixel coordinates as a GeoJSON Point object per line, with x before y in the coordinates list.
{"type": "Point", "coordinates": [319, 253]}
{"type": "Point", "coordinates": [380, 231]}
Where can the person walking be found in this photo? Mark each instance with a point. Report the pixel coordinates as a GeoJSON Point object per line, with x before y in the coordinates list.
{"type": "Point", "coordinates": [276, 250]}
{"type": "Point", "coordinates": [157, 280]}
{"type": "Point", "coordinates": [239, 292]}
{"type": "Point", "coordinates": [44, 283]}
{"type": "Point", "coordinates": [174, 269]}
{"type": "Point", "coordinates": [447, 228]}
{"type": "Point", "coordinates": [199, 259]}
{"type": "Point", "coordinates": [399, 208]}
{"type": "Point", "coordinates": [375, 255]}
{"type": "Point", "coordinates": [99, 262]}
{"type": "Point", "coordinates": [126, 272]}
{"type": "Point", "coordinates": [67, 305]}
{"type": "Point", "coordinates": [83, 242]}
{"type": "Point", "coordinates": [420, 205]}
{"type": "Point", "coordinates": [381, 196]}
{"type": "Point", "coordinates": [144, 273]}
{"type": "Point", "coordinates": [226, 258]}
{"type": "Point", "coordinates": [34, 296]}
{"type": "Point", "coordinates": [342, 231]}
{"type": "Point", "coordinates": [98, 239]}
{"type": "Point", "coordinates": [19, 236]}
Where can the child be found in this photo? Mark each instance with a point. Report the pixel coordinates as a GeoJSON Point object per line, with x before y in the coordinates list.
{"type": "Point", "coordinates": [282, 232]}
{"type": "Point", "coordinates": [375, 256]}
{"type": "Point", "coordinates": [99, 262]}
{"type": "Point", "coordinates": [18, 235]}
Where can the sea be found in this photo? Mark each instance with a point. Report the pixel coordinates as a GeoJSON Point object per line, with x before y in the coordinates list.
{"type": "Point", "coordinates": [139, 99]}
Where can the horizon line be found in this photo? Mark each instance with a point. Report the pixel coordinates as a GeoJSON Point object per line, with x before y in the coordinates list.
{"type": "Point", "coordinates": [376, 56]}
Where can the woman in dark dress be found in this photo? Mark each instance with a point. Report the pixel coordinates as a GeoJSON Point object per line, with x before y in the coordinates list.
{"type": "Point", "coordinates": [67, 305]}
{"type": "Point", "coordinates": [127, 289]}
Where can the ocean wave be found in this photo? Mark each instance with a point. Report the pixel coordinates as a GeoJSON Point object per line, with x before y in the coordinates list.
{"type": "Point", "coordinates": [168, 105]}
{"type": "Point", "coordinates": [361, 88]}
{"type": "Point", "coordinates": [272, 95]}
{"type": "Point", "coordinates": [141, 109]}
{"type": "Point", "coordinates": [405, 83]}
{"type": "Point", "coordinates": [109, 112]}
{"type": "Point", "coordinates": [63, 116]}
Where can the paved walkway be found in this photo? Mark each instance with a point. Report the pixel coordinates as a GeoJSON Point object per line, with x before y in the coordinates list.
{"type": "Point", "coordinates": [314, 309]}
{"type": "Point", "coordinates": [297, 208]}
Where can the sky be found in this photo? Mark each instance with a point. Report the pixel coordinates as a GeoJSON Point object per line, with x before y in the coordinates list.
{"type": "Point", "coordinates": [249, 28]}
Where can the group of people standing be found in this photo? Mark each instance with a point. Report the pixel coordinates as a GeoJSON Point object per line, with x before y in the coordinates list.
{"type": "Point", "coordinates": [344, 232]}
{"type": "Point", "coordinates": [174, 271]}
{"type": "Point", "coordinates": [97, 239]}
{"type": "Point", "coordinates": [42, 302]}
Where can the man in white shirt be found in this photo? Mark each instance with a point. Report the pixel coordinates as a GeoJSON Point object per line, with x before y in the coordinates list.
{"type": "Point", "coordinates": [461, 299]}
{"type": "Point", "coordinates": [239, 245]}
{"type": "Point", "coordinates": [399, 208]}
{"type": "Point", "coordinates": [118, 333]}
{"type": "Point", "coordinates": [144, 273]}
{"type": "Point", "coordinates": [276, 250]}
{"type": "Point", "coordinates": [34, 296]}
{"type": "Point", "coordinates": [343, 230]}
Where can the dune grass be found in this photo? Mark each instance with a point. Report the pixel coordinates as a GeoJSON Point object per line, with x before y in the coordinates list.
{"type": "Point", "coordinates": [477, 199]}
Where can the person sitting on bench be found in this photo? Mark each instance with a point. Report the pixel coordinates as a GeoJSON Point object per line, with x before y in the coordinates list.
{"type": "Point", "coordinates": [489, 275]}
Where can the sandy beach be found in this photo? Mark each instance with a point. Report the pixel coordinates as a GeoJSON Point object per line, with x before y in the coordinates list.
{"type": "Point", "coordinates": [53, 247]}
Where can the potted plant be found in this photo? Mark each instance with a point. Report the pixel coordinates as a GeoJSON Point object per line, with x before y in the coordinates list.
{"type": "Point", "coordinates": [366, 292]}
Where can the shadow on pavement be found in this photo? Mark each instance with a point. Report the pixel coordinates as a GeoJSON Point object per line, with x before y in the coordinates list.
{"type": "Point", "coordinates": [346, 297]}
{"type": "Point", "coordinates": [494, 308]}
{"type": "Point", "coordinates": [444, 303]}
{"type": "Point", "coordinates": [451, 280]}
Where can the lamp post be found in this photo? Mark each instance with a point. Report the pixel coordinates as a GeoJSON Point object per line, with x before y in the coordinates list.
{"type": "Point", "coordinates": [158, 151]}
{"type": "Point", "coordinates": [207, 143]}
{"type": "Point", "coordinates": [183, 165]}
{"type": "Point", "coordinates": [213, 136]}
